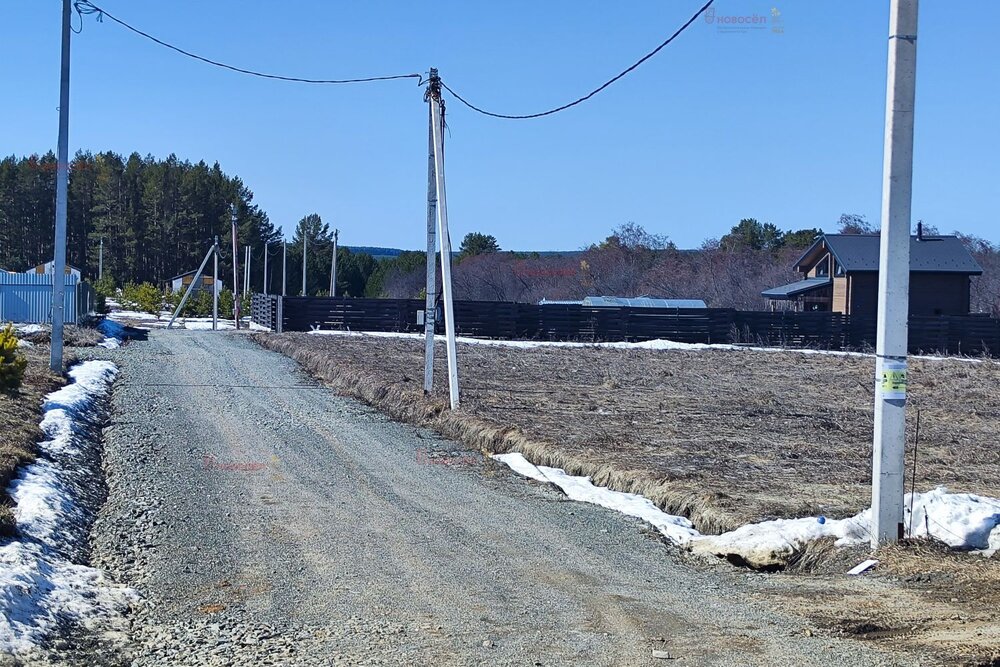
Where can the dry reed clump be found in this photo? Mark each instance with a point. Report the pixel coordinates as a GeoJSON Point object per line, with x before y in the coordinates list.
{"type": "Point", "coordinates": [724, 437]}
{"type": "Point", "coordinates": [73, 336]}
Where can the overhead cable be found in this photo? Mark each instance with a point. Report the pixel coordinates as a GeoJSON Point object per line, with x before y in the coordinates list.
{"type": "Point", "coordinates": [591, 93]}
{"type": "Point", "coordinates": [84, 7]}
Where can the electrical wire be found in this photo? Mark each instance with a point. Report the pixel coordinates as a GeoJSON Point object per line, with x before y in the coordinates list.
{"type": "Point", "coordinates": [591, 93]}
{"type": "Point", "coordinates": [86, 7]}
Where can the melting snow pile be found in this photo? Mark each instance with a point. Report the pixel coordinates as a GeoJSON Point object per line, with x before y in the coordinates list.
{"type": "Point", "coordinates": [961, 520]}
{"type": "Point", "coordinates": [676, 528]}
{"type": "Point", "coordinates": [41, 586]}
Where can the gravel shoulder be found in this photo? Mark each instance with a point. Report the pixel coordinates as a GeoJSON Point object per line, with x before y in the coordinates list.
{"type": "Point", "coordinates": [265, 520]}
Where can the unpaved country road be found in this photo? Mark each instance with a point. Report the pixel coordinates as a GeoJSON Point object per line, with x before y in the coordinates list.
{"type": "Point", "coordinates": [265, 520]}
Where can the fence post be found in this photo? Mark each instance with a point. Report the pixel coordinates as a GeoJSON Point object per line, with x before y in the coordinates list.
{"type": "Point", "coordinates": [279, 318]}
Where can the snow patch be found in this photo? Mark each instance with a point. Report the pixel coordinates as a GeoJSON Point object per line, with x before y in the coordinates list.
{"type": "Point", "coordinates": [658, 344]}
{"type": "Point", "coordinates": [675, 528]}
{"type": "Point", "coordinates": [961, 520]}
{"type": "Point", "coordinates": [41, 587]}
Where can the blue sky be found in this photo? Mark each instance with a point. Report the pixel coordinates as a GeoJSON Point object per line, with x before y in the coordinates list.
{"type": "Point", "coordinates": [784, 127]}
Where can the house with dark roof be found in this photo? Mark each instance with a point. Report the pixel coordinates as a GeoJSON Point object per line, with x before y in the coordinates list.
{"type": "Point", "coordinates": [840, 274]}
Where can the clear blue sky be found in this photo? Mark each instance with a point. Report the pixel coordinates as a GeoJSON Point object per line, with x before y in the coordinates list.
{"type": "Point", "coordinates": [785, 127]}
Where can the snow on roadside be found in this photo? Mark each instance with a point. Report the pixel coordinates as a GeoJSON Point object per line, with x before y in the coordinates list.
{"type": "Point", "coordinates": [961, 520]}
{"type": "Point", "coordinates": [163, 319]}
{"type": "Point", "coordinates": [675, 528]}
{"type": "Point", "coordinates": [658, 344]}
{"type": "Point", "coordinates": [42, 588]}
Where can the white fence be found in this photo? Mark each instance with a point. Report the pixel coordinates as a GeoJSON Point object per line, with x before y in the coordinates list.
{"type": "Point", "coordinates": [27, 297]}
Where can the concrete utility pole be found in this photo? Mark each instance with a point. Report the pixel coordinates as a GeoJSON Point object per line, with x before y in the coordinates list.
{"type": "Point", "coordinates": [305, 249]}
{"type": "Point", "coordinates": [100, 260]}
{"type": "Point", "coordinates": [430, 300]}
{"type": "Point", "coordinates": [284, 268]}
{"type": "Point", "coordinates": [236, 273]}
{"type": "Point", "coordinates": [894, 277]}
{"type": "Point", "coordinates": [215, 286]}
{"type": "Point", "coordinates": [437, 127]}
{"type": "Point", "coordinates": [333, 264]}
{"type": "Point", "coordinates": [62, 186]}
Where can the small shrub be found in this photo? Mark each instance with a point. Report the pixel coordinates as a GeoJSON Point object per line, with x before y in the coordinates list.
{"type": "Point", "coordinates": [105, 286]}
{"type": "Point", "coordinates": [226, 303]}
{"type": "Point", "coordinates": [199, 304]}
{"type": "Point", "coordinates": [144, 297]}
{"type": "Point", "coordinates": [12, 364]}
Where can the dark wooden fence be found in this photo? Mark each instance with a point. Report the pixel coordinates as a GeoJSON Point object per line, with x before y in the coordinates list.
{"type": "Point", "coordinates": [972, 335]}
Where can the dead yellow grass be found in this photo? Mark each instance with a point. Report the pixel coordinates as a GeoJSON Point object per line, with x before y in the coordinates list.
{"type": "Point", "coordinates": [20, 413]}
{"type": "Point", "coordinates": [723, 437]}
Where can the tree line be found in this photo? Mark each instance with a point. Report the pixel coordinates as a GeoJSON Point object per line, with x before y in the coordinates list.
{"type": "Point", "coordinates": [158, 218]}
{"type": "Point", "coordinates": [726, 272]}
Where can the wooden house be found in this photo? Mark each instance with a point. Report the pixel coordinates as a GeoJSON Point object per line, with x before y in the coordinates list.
{"type": "Point", "coordinates": [180, 283]}
{"type": "Point", "coordinates": [50, 268]}
{"type": "Point", "coordinates": [840, 274]}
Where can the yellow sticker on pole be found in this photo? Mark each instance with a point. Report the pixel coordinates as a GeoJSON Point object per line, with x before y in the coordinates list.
{"type": "Point", "coordinates": [893, 381]}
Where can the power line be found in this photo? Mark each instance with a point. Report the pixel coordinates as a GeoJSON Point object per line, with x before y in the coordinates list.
{"type": "Point", "coordinates": [87, 7]}
{"type": "Point", "coordinates": [591, 93]}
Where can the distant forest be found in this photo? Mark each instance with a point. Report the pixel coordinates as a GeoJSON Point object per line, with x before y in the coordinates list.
{"type": "Point", "coordinates": [158, 218]}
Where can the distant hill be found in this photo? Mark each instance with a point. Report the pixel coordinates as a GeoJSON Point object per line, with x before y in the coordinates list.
{"type": "Point", "coordinates": [375, 251]}
{"type": "Point", "coordinates": [378, 252]}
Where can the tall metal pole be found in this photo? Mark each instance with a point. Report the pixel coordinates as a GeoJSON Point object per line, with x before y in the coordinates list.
{"type": "Point", "coordinates": [100, 260]}
{"type": "Point", "coordinates": [265, 268]}
{"type": "Point", "coordinates": [284, 268]}
{"type": "Point", "coordinates": [430, 302]}
{"type": "Point", "coordinates": [215, 286]}
{"type": "Point", "coordinates": [62, 186]}
{"type": "Point", "coordinates": [437, 127]}
{"type": "Point", "coordinates": [894, 277]}
{"type": "Point", "coordinates": [305, 249]}
{"type": "Point", "coordinates": [236, 273]}
{"type": "Point", "coordinates": [333, 264]}
{"type": "Point", "coordinates": [246, 281]}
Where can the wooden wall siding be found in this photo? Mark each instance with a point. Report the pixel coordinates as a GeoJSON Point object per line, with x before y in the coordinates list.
{"type": "Point", "coordinates": [839, 304]}
{"type": "Point", "coordinates": [969, 334]}
{"type": "Point", "coordinates": [930, 294]}
{"type": "Point", "coordinates": [864, 294]}
{"type": "Point", "coordinates": [939, 294]}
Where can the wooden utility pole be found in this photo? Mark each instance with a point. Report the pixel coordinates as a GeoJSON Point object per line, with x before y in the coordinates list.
{"type": "Point", "coordinates": [437, 134]}
{"type": "Point", "coordinates": [265, 268]}
{"type": "Point", "coordinates": [894, 277]}
{"type": "Point", "coordinates": [333, 264]}
{"type": "Point", "coordinates": [305, 259]}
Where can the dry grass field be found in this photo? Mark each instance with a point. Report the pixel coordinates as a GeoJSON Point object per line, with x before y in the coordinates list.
{"type": "Point", "coordinates": [727, 437]}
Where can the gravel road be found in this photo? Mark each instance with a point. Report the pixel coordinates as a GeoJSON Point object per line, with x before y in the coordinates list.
{"type": "Point", "coordinates": [265, 520]}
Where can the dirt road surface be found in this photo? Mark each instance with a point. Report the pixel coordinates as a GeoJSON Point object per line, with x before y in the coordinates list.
{"type": "Point", "coordinates": [265, 520]}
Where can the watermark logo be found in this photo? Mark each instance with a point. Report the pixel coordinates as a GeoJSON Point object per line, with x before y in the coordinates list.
{"type": "Point", "coordinates": [771, 22]}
